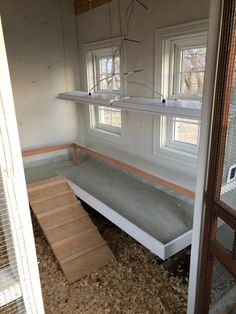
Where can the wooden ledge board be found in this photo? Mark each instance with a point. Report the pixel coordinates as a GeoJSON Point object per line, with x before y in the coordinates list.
{"type": "Point", "coordinates": [170, 185]}
{"type": "Point", "coordinates": [138, 172]}
{"type": "Point", "coordinates": [44, 150]}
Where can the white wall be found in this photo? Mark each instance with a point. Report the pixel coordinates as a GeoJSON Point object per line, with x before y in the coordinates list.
{"type": "Point", "coordinates": [37, 58]}
{"type": "Point", "coordinates": [39, 68]}
{"type": "Point", "coordinates": [94, 26]}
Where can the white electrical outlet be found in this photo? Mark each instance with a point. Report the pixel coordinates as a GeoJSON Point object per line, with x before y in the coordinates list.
{"type": "Point", "coordinates": [231, 173]}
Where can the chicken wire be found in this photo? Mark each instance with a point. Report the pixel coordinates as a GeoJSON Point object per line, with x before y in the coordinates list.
{"type": "Point", "coordinates": [11, 300]}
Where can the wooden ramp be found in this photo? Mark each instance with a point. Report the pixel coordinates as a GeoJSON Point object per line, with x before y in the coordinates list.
{"type": "Point", "coordinates": [75, 240]}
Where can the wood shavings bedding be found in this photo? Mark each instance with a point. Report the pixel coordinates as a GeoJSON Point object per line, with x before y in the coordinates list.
{"type": "Point", "coordinates": [135, 283]}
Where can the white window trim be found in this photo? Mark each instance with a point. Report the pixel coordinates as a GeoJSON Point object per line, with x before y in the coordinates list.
{"type": "Point", "coordinates": [92, 69]}
{"type": "Point", "coordinates": [94, 122]}
{"type": "Point", "coordinates": [170, 33]}
{"type": "Point", "coordinates": [106, 135]}
{"type": "Point", "coordinates": [99, 45]}
{"type": "Point", "coordinates": [100, 53]}
{"type": "Point", "coordinates": [167, 152]}
{"type": "Point", "coordinates": [162, 79]}
{"type": "Point", "coordinates": [88, 49]}
{"type": "Point", "coordinates": [166, 143]}
{"type": "Point", "coordinates": [173, 79]}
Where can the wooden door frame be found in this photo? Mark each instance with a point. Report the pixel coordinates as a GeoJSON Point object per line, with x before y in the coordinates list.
{"type": "Point", "coordinates": [215, 208]}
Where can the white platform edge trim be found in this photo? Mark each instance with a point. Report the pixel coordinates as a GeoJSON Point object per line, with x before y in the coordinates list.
{"type": "Point", "coordinates": [164, 251]}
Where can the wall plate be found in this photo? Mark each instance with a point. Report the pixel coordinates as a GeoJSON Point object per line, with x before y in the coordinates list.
{"type": "Point", "coordinates": [231, 173]}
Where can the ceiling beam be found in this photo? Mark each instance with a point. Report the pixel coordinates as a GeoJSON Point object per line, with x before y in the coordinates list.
{"type": "Point", "coordinates": [82, 6]}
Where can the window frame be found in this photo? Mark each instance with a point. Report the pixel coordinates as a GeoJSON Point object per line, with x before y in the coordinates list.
{"type": "Point", "coordinates": [97, 125]}
{"type": "Point", "coordinates": [168, 143]}
{"type": "Point", "coordinates": [96, 57]}
{"type": "Point", "coordinates": [186, 35]}
{"type": "Point", "coordinates": [176, 48]}
{"type": "Point", "coordinates": [102, 49]}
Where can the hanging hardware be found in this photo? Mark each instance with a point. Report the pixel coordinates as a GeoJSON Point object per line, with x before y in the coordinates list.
{"type": "Point", "coordinates": [132, 40]}
{"type": "Point", "coordinates": [128, 14]}
{"type": "Point", "coordinates": [133, 72]}
{"type": "Point", "coordinates": [142, 4]}
{"type": "Point", "coordinates": [231, 173]}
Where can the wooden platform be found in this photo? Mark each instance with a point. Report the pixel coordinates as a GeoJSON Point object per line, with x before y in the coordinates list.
{"type": "Point", "coordinates": [75, 240]}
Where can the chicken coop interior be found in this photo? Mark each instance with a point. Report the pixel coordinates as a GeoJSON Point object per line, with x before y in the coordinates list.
{"type": "Point", "coordinates": [118, 156]}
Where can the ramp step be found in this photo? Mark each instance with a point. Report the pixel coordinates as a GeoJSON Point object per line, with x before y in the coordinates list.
{"type": "Point", "coordinates": [34, 187]}
{"type": "Point", "coordinates": [49, 191]}
{"type": "Point", "coordinates": [51, 202]}
{"type": "Point", "coordinates": [68, 230]}
{"type": "Point", "coordinates": [82, 252]}
{"type": "Point", "coordinates": [50, 197]}
{"type": "Point", "coordinates": [66, 220]}
{"type": "Point", "coordinates": [45, 181]}
{"type": "Point", "coordinates": [75, 240]}
{"type": "Point", "coordinates": [84, 264]}
{"type": "Point", "coordinates": [56, 214]}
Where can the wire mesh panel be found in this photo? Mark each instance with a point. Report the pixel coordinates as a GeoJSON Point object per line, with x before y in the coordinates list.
{"type": "Point", "coordinates": [13, 307]}
{"type": "Point", "coordinates": [228, 189]}
{"type": "Point", "coordinates": [223, 291]}
{"type": "Point", "coordinates": [11, 300]}
{"type": "Point", "coordinates": [19, 281]}
{"type": "Point", "coordinates": [218, 260]}
{"type": "Point", "coordinates": [225, 235]}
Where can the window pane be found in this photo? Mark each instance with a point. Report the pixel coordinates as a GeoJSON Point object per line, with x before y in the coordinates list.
{"type": "Point", "coordinates": [110, 117]}
{"type": "Point", "coordinates": [193, 59]}
{"type": "Point", "coordinates": [109, 83]}
{"type": "Point", "coordinates": [186, 131]}
{"type": "Point", "coordinates": [117, 65]}
{"type": "Point", "coordinates": [105, 69]}
{"type": "Point", "coordinates": [192, 71]}
{"type": "Point", "coordinates": [116, 82]}
{"type": "Point", "coordinates": [106, 82]}
{"type": "Point", "coordinates": [105, 66]}
{"type": "Point", "coordinates": [192, 83]}
{"type": "Point", "coordinates": [116, 118]}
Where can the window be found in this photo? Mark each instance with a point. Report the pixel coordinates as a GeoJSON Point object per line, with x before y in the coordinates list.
{"type": "Point", "coordinates": [105, 118]}
{"type": "Point", "coordinates": [105, 69]}
{"type": "Point", "coordinates": [104, 76]}
{"type": "Point", "coordinates": [180, 135]}
{"type": "Point", "coordinates": [187, 68]}
{"type": "Point", "coordinates": [191, 73]}
{"type": "Point", "coordinates": [181, 54]}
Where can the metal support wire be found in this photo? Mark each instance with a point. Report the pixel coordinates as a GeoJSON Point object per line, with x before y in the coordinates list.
{"type": "Point", "coordinates": [142, 4]}
{"type": "Point", "coordinates": [128, 16]}
{"type": "Point", "coordinates": [148, 87]}
{"type": "Point", "coordinates": [99, 81]}
{"type": "Point", "coordinates": [129, 12]}
{"type": "Point", "coordinates": [63, 43]}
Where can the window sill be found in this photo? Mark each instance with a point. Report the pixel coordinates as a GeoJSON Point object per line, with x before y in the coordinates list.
{"type": "Point", "coordinates": [106, 135]}
{"type": "Point", "coordinates": [176, 155]}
